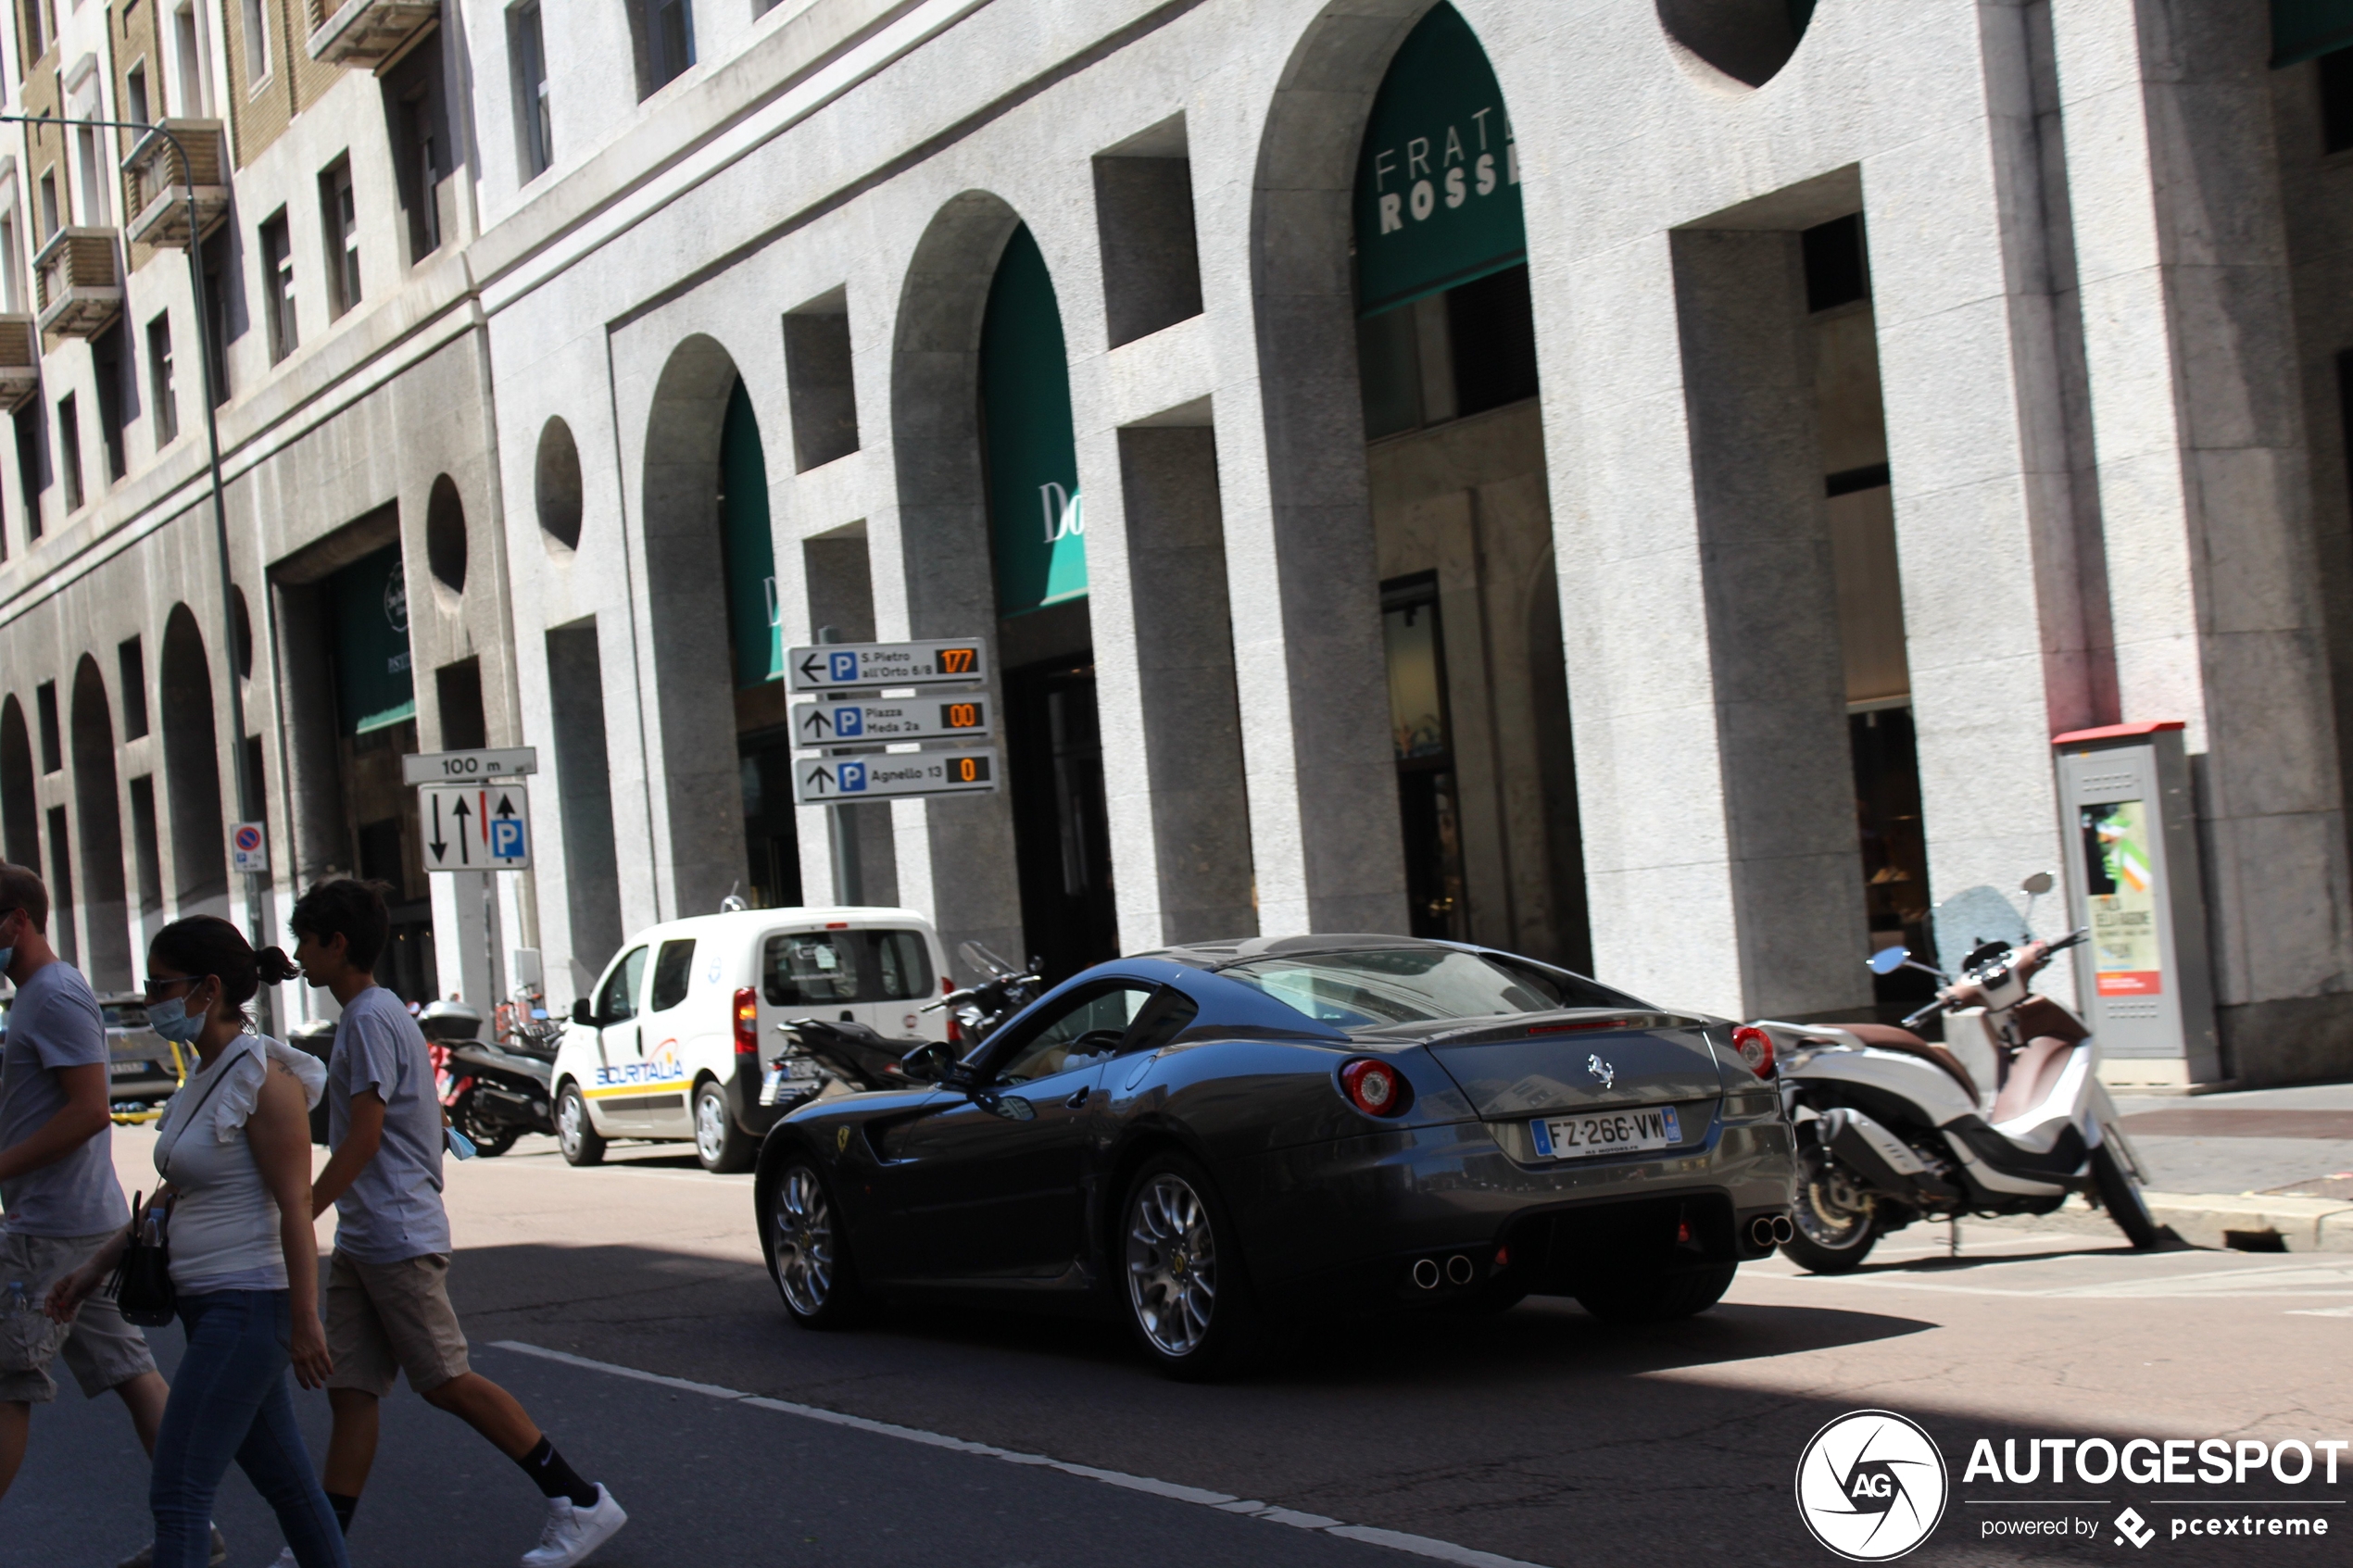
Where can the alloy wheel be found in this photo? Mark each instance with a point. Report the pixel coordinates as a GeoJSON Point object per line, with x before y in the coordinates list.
{"type": "Point", "coordinates": [804, 1238]}
{"type": "Point", "coordinates": [570, 1118]}
{"type": "Point", "coordinates": [1172, 1264]}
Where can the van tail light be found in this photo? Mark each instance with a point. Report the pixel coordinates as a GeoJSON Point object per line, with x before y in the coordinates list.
{"type": "Point", "coordinates": [1755, 1047]}
{"type": "Point", "coordinates": [955, 1032]}
{"type": "Point", "coordinates": [1374, 1087]}
{"type": "Point", "coordinates": [748, 1025]}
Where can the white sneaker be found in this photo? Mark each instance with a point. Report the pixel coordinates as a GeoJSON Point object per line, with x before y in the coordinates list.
{"type": "Point", "coordinates": [145, 1557]}
{"type": "Point", "coordinates": [573, 1532]}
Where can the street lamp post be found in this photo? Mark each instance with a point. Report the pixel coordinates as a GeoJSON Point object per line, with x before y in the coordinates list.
{"type": "Point", "coordinates": [249, 805]}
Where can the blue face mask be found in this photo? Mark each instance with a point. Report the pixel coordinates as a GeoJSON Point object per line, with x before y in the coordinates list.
{"type": "Point", "coordinates": [169, 1018]}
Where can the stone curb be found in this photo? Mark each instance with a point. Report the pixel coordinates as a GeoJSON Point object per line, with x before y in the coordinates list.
{"type": "Point", "coordinates": [2216, 1220]}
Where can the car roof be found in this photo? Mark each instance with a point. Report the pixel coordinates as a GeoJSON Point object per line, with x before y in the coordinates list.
{"type": "Point", "coordinates": [1226, 952]}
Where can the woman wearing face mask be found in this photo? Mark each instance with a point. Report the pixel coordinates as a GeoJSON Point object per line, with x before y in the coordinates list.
{"type": "Point", "coordinates": [233, 1146]}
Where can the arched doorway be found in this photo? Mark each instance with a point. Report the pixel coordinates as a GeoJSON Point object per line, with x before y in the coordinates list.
{"type": "Point", "coordinates": [106, 906]}
{"type": "Point", "coordinates": [989, 503]}
{"type": "Point", "coordinates": [19, 795]}
{"type": "Point", "coordinates": [1038, 544]}
{"type": "Point", "coordinates": [710, 579]}
{"type": "Point", "coordinates": [192, 771]}
{"type": "Point", "coordinates": [1454, 488]}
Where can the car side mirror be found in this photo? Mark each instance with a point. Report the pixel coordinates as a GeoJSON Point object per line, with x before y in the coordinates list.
{"type": "Point", "coordinates": [927, 1063]}
{"type": "Point", "coordinates": [581, 1012]}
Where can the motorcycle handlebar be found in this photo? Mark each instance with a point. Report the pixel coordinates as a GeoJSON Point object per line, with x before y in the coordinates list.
{"type": "Point", "coordinates": [1915, 1020]}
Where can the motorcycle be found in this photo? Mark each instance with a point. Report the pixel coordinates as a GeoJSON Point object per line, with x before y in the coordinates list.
{"type": "Point", "coordinates": [494, 1092]}
{"type": "Point", "coordinates": [1893, 1129]}
{"type": "Point", "coordinates": [820, 1053]}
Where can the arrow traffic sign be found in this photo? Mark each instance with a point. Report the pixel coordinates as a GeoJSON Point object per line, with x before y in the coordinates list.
{"type": "Point", "coordinates": [821, 781]}
{"type": "Point", "coordinates": [467, 766]}
{"type": "Point", "coordinates": [923, 718]}
{"type": "Point", "coordinates": [853, 665]}
{"type": "Point", "coordinates": [476, 828]}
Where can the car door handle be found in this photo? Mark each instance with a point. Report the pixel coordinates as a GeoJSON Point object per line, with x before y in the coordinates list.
{"type": "Point", "coordinates": [1079, 1098]}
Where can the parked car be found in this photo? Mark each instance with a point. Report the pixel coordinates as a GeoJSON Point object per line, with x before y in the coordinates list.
{"type": "Point", "coordinates": [671, 1043]}
{"type": "Point", "coordinates": [1211, 1140]}
{"type": "Point", "coordinates": [141, 1070]}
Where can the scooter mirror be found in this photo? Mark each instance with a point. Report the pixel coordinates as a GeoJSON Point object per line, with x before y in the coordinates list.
{"type": "Point", "coordinates": [2036, 886]}
{"type": "Point", "coordinates": [1887, 961]}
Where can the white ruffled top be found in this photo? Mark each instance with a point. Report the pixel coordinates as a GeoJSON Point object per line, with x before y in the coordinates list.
{"type": "Point", "coordinates": [224, 1224]}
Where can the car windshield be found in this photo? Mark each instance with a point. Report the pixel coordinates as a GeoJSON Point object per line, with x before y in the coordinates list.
{"type": "Point", "coordinates": [1378, 987]}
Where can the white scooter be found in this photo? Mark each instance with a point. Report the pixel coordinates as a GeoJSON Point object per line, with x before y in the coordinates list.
{"type": "Point", "coordinates": [1893, 1129]}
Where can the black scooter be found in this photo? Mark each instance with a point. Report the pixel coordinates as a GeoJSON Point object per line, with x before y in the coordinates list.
{"type": "Point", "coordinates": [861, 1058]}
{"type": "Point", "coordinates": [495, 1093]}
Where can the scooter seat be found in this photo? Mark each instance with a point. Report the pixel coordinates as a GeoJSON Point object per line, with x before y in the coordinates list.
{"type": "Point", "coordinates": [1888, 1037]}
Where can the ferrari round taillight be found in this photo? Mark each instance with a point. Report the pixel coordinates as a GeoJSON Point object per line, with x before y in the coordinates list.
{"type": "Point", "coordinates": [1755, 1048]}
{"type": "Point", "coordinates": [748, 1023]}
{"type": "Point", "coordinates": [1372, 1087]}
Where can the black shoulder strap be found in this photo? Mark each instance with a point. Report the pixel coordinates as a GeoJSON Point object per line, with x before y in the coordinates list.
{"type": "Point", "coordinates": [182, 1132]}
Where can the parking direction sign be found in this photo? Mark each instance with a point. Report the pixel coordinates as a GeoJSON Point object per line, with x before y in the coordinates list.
{"type": "Point", "coordinates": [871, 666]}
{"type": "Point", "coordinates": [475, 827]}
{"type": "Point", "coordinates": [949, 716]}
{"type": "Point", "coordinates": [821, 781]}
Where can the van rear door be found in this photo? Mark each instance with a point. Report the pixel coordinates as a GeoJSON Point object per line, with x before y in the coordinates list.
{"type": "Point", "coordinates": [875, 976]}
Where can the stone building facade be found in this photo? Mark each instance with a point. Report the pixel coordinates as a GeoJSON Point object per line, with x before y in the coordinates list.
{"type": "Point", "coordinates": [1638, 481]}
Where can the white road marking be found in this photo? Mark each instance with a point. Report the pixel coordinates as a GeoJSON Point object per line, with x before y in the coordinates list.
{"type": "Point", "coordinates": [2282, 1279]}
{"type": "Point", "coordinates": [1396, 1540]}
{"type": "Point", "coordinates": [2321, 1312]}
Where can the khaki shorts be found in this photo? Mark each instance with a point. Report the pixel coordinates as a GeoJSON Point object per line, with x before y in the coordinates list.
{"type": "Point", "coordinates": [383, 1318]}
{"type": "Point", "coordinates": [100, 1350]}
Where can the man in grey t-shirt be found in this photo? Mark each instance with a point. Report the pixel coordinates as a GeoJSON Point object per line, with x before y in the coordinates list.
{"type": "Point", "coordinates": [387, 1303]}
{"type": "Point", "coordinates": [57, 1188]}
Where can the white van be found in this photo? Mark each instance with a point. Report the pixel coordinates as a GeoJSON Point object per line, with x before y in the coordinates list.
{"type": "Point", "coordinates": [671, 1043]}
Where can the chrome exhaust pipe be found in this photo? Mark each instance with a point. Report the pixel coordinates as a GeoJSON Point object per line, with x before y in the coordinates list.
{"type": "Point", "coordinates": [1459, 1270]}
{"type": "Point", "coordinates": [1784, 1229]}
{"type": "Point", "coordinates": [1426, 1274]}
{"type": "Point", "coordinates": [1760, 1230]}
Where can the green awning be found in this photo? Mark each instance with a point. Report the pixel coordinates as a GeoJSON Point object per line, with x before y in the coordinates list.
{"type": "Point", "coordinates": [2305, 30]}
{"type": "Point", "coordinates": [1437, 199]}
{"type": "Point", "coordinates": [1035, 520]}
{"type": "Point", "coordinates": [374, 687]}
{"type": "Point", "coordinates": [755, 621]}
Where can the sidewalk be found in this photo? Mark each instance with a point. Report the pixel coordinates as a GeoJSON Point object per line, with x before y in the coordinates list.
{"type": "Point", "coordinates": [2262, 1169]}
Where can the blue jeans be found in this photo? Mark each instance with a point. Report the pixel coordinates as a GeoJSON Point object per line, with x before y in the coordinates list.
{"type": "Point", "coordinates": [229, 1400]}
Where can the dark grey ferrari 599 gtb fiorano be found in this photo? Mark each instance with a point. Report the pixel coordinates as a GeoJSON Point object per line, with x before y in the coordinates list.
{"type": "Point", "coordinates": [1219, 1140]}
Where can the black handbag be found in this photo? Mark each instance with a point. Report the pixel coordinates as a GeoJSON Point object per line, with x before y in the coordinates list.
{"type": "Point", "coordinates": [142, 1284]}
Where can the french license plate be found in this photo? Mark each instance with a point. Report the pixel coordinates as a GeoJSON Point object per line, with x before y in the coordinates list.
{"type": "Point", "coordinates": [1615, 1132]}
{"type": "Point", "coordinates": [132, 1069]}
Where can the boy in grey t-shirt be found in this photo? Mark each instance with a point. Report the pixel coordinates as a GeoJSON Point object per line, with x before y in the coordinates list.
{"type": "Point", "coordinates": [387, 1303]}
{"type": "Point", "coordinates": [57, 1185]}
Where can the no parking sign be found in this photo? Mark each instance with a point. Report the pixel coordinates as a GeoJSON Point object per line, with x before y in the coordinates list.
{"type": "Point", "coordinates": [249, 848]}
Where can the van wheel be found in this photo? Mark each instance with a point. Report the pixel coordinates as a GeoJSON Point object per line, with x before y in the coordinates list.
{"type": "Point", "coordinates": [722, 1147]}
{"type": "Point", "coordinates": [575, 1134]}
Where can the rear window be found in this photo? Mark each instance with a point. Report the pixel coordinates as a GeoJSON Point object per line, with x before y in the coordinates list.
{"type": "Point", "coordinates": [808, 968]}
{"type": "Point", "coordinates": [1386, 986]}
{"type": "Point", "coordinates": [673, 973]}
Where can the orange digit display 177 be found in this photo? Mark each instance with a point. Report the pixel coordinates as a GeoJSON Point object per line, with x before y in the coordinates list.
{"type": "Point", "coordinates": [958, 661]}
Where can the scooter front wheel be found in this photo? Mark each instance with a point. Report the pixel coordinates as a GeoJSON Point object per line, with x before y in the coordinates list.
{"type": "Point", "coordinates": [2121, 1195]}
{"type": "Point", "coordinates": [1836, 1222]}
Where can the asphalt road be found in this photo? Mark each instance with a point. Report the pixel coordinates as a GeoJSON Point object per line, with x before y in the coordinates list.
{"type": "Point", "coordinates": [659, 1359]}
